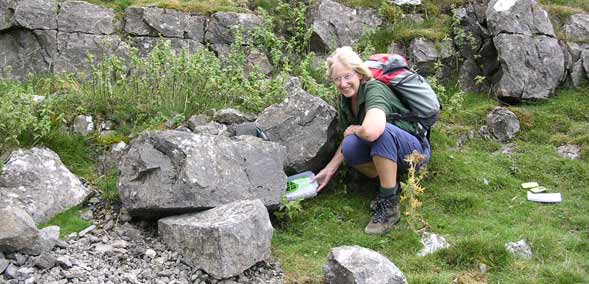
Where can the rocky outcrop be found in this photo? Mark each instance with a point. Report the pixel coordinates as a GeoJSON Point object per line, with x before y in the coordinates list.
{"type": "Point", "coordinates": [37, 181]}
{"type": "Point", "coordinates": [171, 171]}
{"type": "Point", "coordinates": [354, 264]}
{"type": "Point", "coordinates": [336, 25]}
{"type": "Point", "coordinates": [305, 125]}
{"type": "Point", "coordinates": [223, 241]}
{"type": "Point", "coordinates": [532, 61]}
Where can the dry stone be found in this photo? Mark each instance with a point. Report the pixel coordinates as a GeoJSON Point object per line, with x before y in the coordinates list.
{"type": "Point", "coordinates": [83, 17]}
{"type": "Point", "coordinates": [425, 53]}
{"type": "Point", "coordinates": [354, 265]}
{"type": "Point", "coordinates": [35, 14]}
{"type": "Point", "coordinates": [17, 230]}
{"type": "Point", "coordinates": [431, 243]}
{"type": "Point", "coordinates": [24, 51]}
{"type": "Point", "coordinates": [304, 124]}
{"type": "Point", "coordinates": [172, 171]}
{"type": "Point", "coordinates": [83, 124]}
{"type": "Point", "coordinates": [232, 116]}
{"type": "Point", "coordinates": [74, 49]}
{"type": "Point", "coordinates": [405, 2]}
{"type": "Point", "coordinates": [532, 61]}
{"type": "Point", "coordinates": [223, 241]}
{"type": "Point", "coordinates": [520, 249]}
{"type": "Point", "coordinates": [503, 124]}
{"type": "Point", "coordinates": [222, 25]}
{"type": "Point", "coordinates": [336, 25]}
{"type": "Point", "coordinates": [569, 151]}
{"type": "Point", "coordinates": [577, 27]}
{"type": "Point", "coordinates": [37, 181]}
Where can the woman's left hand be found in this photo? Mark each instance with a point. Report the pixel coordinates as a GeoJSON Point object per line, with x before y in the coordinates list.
{"type": "Point", "coordinates": [351, 130]}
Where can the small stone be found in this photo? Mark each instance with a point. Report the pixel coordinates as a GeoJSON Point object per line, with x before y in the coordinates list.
{"type": "Point", "coordinates": [87, 230]}
{"type": "Point", "coordinates": [569, 151]}
{"type": "Point", "coordinates": [64, 262]}
{"type": "Point", "coordinates": [87, 214]}
{"type": "Point", "coordinates": [483, 268]}
{"type": "Point", "coordinates": [150, 253]}
{"type": "Point", "coordinates": [520, 248]}
{"type": "Point", "coordinates": [44, 261]}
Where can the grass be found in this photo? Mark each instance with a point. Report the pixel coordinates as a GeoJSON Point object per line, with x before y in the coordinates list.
{"type": "Point", "coordinates": [478, 218]}
{"type": "Point", "coordinates": [68, 222]}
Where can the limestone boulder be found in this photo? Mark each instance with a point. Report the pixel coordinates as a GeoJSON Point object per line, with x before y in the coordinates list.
{"type": "Point", "coordinates": [155, 22]}
{"type": "Point", "coordinates": [17, 230]}
{"type": "Point", "coordinates": [222, 25]}
{"type": "Point", "coordinates": [305, 125]}
{"type": "Point", "coordinates": [502, 124]}
{"type": "Point", "coordinates": [424, 54]}
{"type": "Point", "coordinates": [172, 171]}
{"type": "Point", "coordinates": [33, 14]}
{"type": "Point", "coordinates": [232, 116]}
{"type": "Point", "coordinates": [74, 49]}
{"type": "Point", "coordinates": [25, 51]}
{"type": "Point", "coordinates": [354, 264]}
{"type": "Point", "coordinates": [37, 181]}
{"type": "Point", "coordinates": [532, 61]}
{"type": "Point", "coordinates": [577, 27]}
{"type": "Point", "coordinates": [336, 25]}
{"type": "Point", "coordinates": [223, 241]}
{"type": "Point", "coordinates": [83, 17]}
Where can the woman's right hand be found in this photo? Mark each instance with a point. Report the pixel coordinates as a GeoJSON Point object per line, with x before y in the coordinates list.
{"type": "Point", "coordinates": [323, 177]}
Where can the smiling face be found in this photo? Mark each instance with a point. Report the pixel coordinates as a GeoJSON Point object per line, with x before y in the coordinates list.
{"type": "Point", "coordinates": [346, 80]}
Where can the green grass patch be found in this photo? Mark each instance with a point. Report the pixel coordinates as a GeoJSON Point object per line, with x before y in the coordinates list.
{"type": "Point", "coordinates": [68, 221]}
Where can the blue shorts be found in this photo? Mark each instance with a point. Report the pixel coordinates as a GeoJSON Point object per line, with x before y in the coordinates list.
{"type": "Point", "coordinates": [394, 144]}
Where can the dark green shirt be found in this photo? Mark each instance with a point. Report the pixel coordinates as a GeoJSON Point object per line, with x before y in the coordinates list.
{"type": "Point", "coordinates": [373, 94]}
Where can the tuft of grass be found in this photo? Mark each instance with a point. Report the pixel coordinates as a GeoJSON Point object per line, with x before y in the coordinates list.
{"type": "Point", "coordinates": [69, 222]}
{"type": "Point", "coordinates": [468, 254]}
{"type": "Point", "coordinates": [107, 185]}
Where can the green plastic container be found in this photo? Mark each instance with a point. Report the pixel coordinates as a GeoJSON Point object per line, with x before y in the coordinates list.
{"type": "Point", "coordinates": [301, 186]}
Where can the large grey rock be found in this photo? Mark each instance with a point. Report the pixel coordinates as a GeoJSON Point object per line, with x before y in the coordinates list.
{"type": "Point", "coordinates": [223, 241]}
{"type": "Point", "coordinates": [336, 25]}
{"type": "Point", "coordinates": [533, 67]}
{"type": "Point", "coordinates": [531, 58]}
{"type": "Point", "coordinates": [35, 14]}
{"type": "Point", "coordinates": [470, 33]}
{"type": "Point", "coordinates": [304, 124]}
{"type": "Point", "coordinates": [358, 265]}
{"type": "Point", "coordinates": [503, 124]}
{"type": "Point", "coordinates": [255, 58]}
{"type": "Point", "coordinates": [425, 53]}
{"type": "Point", "coordinates": [23, 52]}
{"type": "Point", "coordinates": [232, 116]}
{"type": "Point", "coordinates": [152, 21]}
{"type": "Point", "coordinates": [577, 27]}
{"type": "Point", "coordinates": [524, 17]}
{"type": "Point", "coordinates": [173, 171]}
{"type": "Point", "coordinates": [222, 25]}
{"type": "Point", "coordinates": [579, 76]}
{"type": "Point", "coordinates": [83, 17]}
{"type": "Point", "coordinates": [37, 181]}
{"type": "Point", "coordinates": [17, 230]}
{"type": "Point", "coordinates": [74, 49]}
{"type": "Point", "coordinates": [146, 44]}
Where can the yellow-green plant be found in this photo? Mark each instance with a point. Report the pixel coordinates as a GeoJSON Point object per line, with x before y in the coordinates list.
{"type": "Point", "coordinates": [412, 189]}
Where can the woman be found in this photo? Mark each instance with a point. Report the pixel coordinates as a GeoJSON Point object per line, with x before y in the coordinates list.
{"type": "Point", "coordinates": [371, 144]}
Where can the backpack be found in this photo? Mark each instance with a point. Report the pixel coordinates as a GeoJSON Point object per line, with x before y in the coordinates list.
{"type": "Point", "coordinates": [411, 88]}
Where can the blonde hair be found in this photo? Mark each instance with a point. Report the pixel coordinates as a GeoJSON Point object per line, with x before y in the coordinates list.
{"type": "Point", "coordinates": [350, 59]}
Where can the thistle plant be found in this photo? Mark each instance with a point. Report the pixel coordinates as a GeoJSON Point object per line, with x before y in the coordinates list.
{"type": "Point", "coordinates": [412, 190]}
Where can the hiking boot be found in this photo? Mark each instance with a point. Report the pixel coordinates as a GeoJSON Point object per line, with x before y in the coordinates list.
{"type": "Point", "coordinates": [386, 214]}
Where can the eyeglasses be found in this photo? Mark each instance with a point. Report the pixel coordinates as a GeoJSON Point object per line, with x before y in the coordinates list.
{"type": "Point", "coordinates": [346, 77]}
